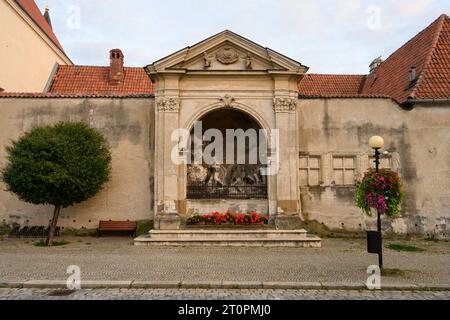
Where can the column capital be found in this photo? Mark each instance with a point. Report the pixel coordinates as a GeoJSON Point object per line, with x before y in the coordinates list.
{"type": "Point", "coordinates": [285, 104]}
{"type": "Point", "coordinates": [168, 104]}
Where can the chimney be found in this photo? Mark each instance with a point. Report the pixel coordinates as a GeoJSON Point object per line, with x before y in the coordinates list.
{"type": "Point", "coordinates": [116, 73]}
{"type": "Point", "coordinates": [47, 17]}
{"type": "Point", "coordinates": [375, 64]}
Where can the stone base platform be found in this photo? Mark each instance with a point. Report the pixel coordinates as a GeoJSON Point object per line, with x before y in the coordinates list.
{"type": "Point", "coordinates": [230, 238]}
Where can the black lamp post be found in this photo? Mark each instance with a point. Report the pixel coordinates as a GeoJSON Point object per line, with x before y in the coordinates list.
{"type": "Point", "coordinates": [377, 143]}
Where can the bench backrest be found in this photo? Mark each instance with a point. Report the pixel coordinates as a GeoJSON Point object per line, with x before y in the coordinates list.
{"type": "Point", "coordinates": [117, 225]}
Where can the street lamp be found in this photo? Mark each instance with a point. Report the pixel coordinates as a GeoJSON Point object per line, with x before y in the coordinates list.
{"type": "Point", "coordinates": [377, 143]}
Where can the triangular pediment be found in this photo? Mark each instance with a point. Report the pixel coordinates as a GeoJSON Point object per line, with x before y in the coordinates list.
{"type": "Point", "coordinates": [225, 52]}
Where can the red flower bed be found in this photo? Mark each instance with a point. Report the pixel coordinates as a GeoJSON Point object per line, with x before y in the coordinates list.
{"type": "Point", "coordinates": [230, 218]}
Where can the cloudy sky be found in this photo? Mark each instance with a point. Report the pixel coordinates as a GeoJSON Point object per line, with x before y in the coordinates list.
{"type": "Point", "coordinates": [341, 36]}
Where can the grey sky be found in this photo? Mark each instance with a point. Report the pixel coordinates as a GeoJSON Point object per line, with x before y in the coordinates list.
{"type": "Point", "coordinates": [341, 36]}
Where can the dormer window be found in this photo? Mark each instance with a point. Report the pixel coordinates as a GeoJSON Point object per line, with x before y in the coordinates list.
{"type": "Point", "coordinates": [412, 74]}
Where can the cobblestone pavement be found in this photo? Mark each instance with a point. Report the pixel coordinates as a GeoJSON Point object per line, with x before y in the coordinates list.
{"type": "Point", "coordinates": [216, 294]}
{"type": "Point", "coordinates": [343, 261]}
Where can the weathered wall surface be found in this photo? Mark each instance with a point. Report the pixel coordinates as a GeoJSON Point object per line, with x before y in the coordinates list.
{"type": "Point", "coordinates": [419, 146]}
{"type": "Point", "coordinates": [127, 125]}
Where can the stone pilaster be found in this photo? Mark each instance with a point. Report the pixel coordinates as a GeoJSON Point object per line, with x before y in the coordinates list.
{"type": "Point", "coordinates": [166, 170]}
{"type": "Point", "coordinates": [288, 197]}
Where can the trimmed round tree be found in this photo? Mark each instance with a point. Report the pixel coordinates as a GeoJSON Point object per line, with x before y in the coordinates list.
{"type": "Point", "coordinates": [59, 165]}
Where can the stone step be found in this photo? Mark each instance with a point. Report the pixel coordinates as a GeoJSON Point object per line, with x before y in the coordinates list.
{"type": "Point", "coordinates": [270, 238]}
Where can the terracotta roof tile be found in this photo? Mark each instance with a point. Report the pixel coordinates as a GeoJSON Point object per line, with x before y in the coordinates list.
{"type": "Point", "coordinates": [43, 95]}
{"type": "Point", "coordinates": [88, 80]}
{"type": "Point", "coordinates": [429, 53]}
{"type": "Point", "coordinates": [330, 85]}
{"type": "Point", "coordinates": [30, 7]}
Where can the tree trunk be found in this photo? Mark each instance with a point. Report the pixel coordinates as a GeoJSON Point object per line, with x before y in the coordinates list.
{"type": "Point", "coordinates": [51, 232]}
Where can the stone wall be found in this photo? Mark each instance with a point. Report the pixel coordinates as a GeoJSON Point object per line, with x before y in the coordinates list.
{"type": "Point", "coordinates": [127, 124]}
{"type": "Point", "coordinates": [334, 133]}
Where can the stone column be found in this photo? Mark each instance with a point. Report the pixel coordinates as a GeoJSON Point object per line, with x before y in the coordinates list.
{"type": "Point", "coordinates": [288, 197]}
{"type": "Point", "coordinates": [166, 170]}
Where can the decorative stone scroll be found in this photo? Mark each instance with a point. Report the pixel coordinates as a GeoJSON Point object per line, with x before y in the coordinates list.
{"type": "Point", "coordinates": [168, 104]}
{"type": "Point", "coordinates": [285, 104]}
{"type": "Point", "coordinates": [227, 55]}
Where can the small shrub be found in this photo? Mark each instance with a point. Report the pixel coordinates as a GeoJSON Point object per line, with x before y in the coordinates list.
{"type": "Point", "coordinates": [42, 243]}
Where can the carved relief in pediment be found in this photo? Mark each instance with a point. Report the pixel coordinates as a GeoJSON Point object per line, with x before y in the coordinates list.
{"type": "Point", "coordinates": [227, 55]}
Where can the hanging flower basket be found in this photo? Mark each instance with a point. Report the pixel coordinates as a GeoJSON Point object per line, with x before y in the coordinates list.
{"type": "Point", "coordinates": [381, 192]}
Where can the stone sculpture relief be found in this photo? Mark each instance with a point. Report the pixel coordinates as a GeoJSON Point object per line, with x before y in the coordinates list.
{"type": "Point", "coordinates": [227, 101]}
{"type": "Point", "coordinates": [227, 55]}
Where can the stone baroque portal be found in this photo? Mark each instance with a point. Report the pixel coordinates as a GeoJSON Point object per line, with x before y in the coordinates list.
{"type": "Point", "coordinates": [228, 82]}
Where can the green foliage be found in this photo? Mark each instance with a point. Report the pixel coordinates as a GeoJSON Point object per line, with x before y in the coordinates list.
{"type": "Point", "coordinates": [381, 191]}
{"type": "Point", "coordinates": [58, 165]}
{"type": "Point", "coordinates": [403, 247]}
{"type": "Point", "coordinates": [41, 243]}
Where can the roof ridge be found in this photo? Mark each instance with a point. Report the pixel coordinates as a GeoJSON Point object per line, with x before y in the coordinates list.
{"type": "Point", "coordinates": [90, 66]}
{"type": "Point", "coordinates": [337, 74]}
{"type": "Point", "coordinates": [440, 21]}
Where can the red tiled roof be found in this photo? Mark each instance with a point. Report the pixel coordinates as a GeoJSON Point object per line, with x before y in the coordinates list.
{"type": "Point", "coordinates": [331, 85]}
{"type": "Point", "coordinates": [87, 80]}
{"type": "Point", "coordinates": [30, 7]}
{"type": "Point", "coordinates": [429, 53]}
{"type": "Point", "coordinates": [42, 95]}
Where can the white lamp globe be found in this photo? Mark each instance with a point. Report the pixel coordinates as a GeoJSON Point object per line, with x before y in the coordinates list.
{"type": "Point", "coordinates": [376, 142]}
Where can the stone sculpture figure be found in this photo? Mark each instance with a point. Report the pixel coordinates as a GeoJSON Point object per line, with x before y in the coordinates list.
{"type": "Point", "coordinates": [214, 173]}
{"type": "Point", "coordinates": [248, 62]}
{"type": "Point", "coordinates": [207, 60]}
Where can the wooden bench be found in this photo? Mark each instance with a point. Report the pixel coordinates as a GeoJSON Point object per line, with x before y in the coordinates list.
{"type": "Point", "coordinates": [117, 226]}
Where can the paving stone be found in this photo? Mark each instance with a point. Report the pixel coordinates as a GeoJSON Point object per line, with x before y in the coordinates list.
{"type": "Point", "coordinates": [222, 294]}
{"type": "Point", "coordinates": [115, 259]}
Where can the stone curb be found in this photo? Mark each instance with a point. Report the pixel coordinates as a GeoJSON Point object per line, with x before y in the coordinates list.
{"type": "Point", "coordinates": [61, 284]}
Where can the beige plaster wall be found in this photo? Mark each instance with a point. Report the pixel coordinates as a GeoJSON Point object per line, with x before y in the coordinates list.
{"type": "Point", "coordinates": [27, 56]}
{"type": "Point", "coordinates": [419, 142]}
{"type": "Point", "coordinates": [126, 123]}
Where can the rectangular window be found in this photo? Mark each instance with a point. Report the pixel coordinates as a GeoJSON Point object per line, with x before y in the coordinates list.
{"type": "Point", "coordinates": [344, 168]}
{"type": "Point", "coordinates": [310, 171]}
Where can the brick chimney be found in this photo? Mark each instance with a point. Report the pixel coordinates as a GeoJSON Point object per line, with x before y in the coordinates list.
{"type": "Point", "coordinates": [116, 72]}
